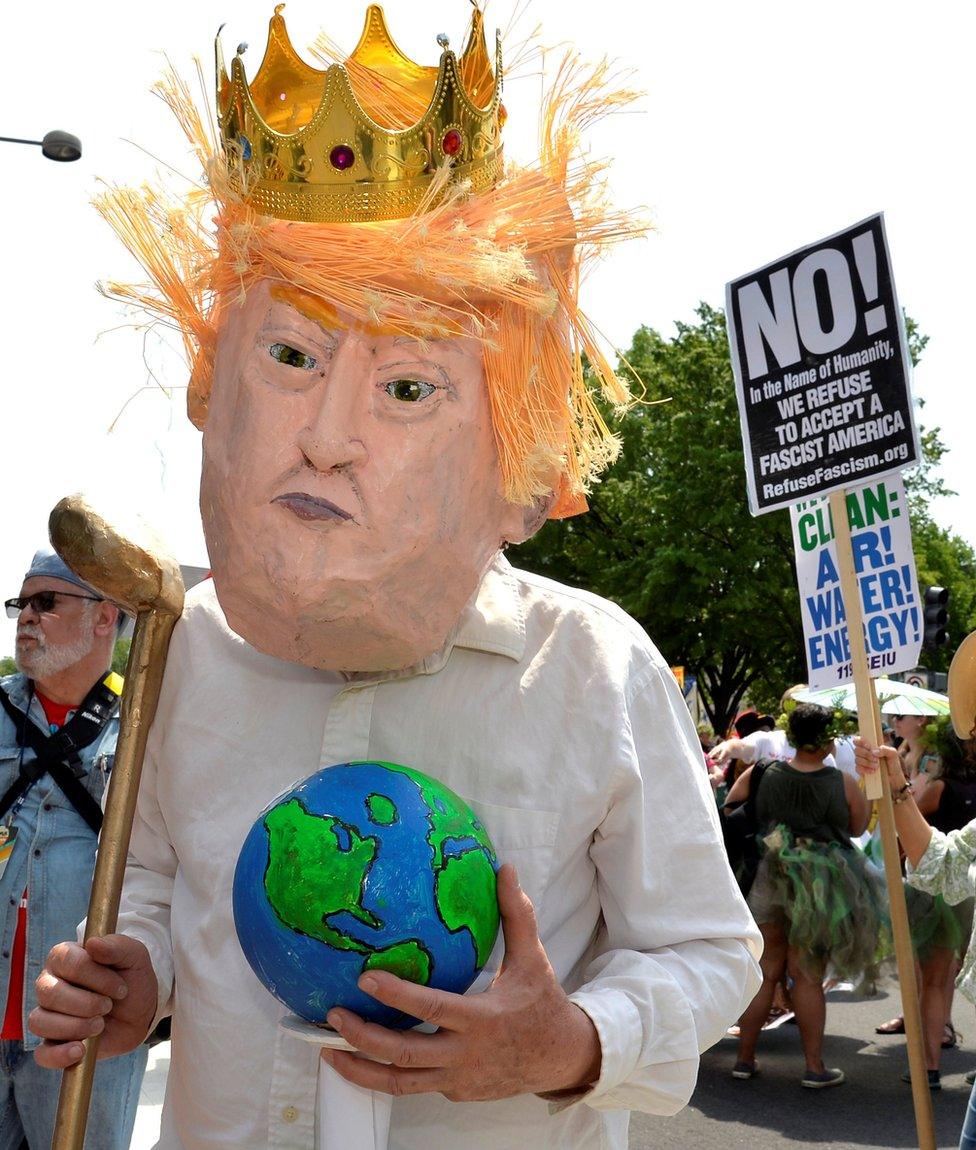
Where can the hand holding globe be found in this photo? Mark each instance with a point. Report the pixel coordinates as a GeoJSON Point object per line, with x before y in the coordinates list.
{"type": "Point", "coordinates": [522, 1035]}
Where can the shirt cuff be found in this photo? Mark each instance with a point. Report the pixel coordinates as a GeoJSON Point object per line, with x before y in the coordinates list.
{"type": "Point", "coordinates": [929, 865]}
{"type": "Point", "coordinates": [162, 965]}
{"type": "Point", "coordinates": [619, 1029]}
{"type": "Point", "coordinates": [627, 1080]}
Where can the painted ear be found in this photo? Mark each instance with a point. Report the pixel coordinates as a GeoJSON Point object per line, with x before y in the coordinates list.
{"type": "Point", "coordinates": [524, 522]}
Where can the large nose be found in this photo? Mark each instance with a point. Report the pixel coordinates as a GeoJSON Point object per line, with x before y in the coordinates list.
{"type": "Point", "coordinates": [29, 614]}
{"type": "Point", "coordinates": [332, 438]}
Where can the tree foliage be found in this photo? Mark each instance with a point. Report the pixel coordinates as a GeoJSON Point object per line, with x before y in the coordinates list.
{"type": "Point", "coordinates": [7, 665]}
{"type": "Point", "coordinates": [120, 656]}
{"type": "Point", "coordinates": [669, 535]}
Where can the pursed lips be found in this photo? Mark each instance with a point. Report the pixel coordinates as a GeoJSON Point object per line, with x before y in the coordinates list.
{"type": "Point", "coordinates": [306, 506]}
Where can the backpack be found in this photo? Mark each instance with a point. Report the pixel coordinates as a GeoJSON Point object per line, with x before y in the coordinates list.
{"type": "Point", "coordinates": [739, 830]}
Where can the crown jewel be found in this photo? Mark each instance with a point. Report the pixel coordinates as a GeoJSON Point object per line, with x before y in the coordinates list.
{"type": "Point", "coordinates": [362, 140]}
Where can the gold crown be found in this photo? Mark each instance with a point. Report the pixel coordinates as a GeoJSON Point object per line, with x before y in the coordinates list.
{"type": "Point", "coordinates": [346, 144]}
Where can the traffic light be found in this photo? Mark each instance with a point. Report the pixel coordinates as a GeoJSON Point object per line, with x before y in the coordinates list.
{"type": "Point", "coordinates": [936, 617]}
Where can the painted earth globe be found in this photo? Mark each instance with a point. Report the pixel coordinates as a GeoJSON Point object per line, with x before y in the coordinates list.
{"type": "Point", "coordinates": [363, 866]}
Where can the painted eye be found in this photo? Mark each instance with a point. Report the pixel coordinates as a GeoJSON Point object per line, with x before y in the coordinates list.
{"type": "Point", "coordinates": [409, 390]}
{"type": "Point", "coordinates": [291, 356]}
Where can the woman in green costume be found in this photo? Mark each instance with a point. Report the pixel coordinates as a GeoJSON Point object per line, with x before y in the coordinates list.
{"type": "Point", "coordinates": [815, 899]}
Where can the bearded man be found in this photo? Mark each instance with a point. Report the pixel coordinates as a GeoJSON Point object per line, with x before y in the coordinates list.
{"type": "Point", "coordinates": [58, 730]}
{"type": "Point", "coordinates": [387, 367]}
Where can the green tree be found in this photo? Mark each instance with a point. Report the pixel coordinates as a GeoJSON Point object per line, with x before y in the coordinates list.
{"type": "Point", "coordinates": [7, 665]}
{"type": "Point", "coordinates": [945, 560]}
{"type": "Point", "coordinates": [669, 535]}
{"type": "Point", "coordinates": [120, 656]}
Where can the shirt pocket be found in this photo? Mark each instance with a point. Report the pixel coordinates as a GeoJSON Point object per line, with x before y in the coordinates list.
{"type": "Point", "coordinates": [527, 839]}
{"type": "Point", "coordinates": [9, 767]}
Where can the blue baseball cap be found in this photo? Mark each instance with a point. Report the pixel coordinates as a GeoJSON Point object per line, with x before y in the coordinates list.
{"type": "Point", "coordinates": [48, 562]}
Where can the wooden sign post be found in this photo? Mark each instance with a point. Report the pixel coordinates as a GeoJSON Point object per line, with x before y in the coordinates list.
{"type": "Point", "coordinates": [821, 367]}
{"type": "Point", "coordinates": [876, 787]}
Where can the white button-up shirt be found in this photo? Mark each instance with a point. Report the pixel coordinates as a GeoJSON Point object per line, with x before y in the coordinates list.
{"type": "Point", "coordinates": [548, 711]}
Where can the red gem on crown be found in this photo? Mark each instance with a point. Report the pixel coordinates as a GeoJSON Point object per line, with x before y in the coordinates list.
{"type": "Point", "coordinates": [342, 157]}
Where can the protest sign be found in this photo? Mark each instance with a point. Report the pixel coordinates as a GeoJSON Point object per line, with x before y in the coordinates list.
{"type": "Point", "coordinates": [881, 542]}
{"type": "Point", "coordinates": [821, 369]}
{"type": "Point", "coordinates": [821, 374]}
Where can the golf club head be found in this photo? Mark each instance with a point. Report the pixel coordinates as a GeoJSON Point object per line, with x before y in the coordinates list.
{"type": "Point", "coordinates": [128, 565]}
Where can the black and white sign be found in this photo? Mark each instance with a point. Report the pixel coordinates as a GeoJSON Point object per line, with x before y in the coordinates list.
{"type": "Point", "coordinates": [821, 369]}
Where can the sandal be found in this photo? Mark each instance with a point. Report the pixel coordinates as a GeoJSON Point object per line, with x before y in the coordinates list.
{"type": "Point", "coordinates": [892, 1026]}
{"type": "Point", "coordinates": [950, 1037]}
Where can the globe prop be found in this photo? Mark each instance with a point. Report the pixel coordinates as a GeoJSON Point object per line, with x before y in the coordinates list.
{"type": "Point", "coordinates": [365, 866]}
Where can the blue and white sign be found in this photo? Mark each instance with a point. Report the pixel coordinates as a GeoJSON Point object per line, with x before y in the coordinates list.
{"type": "Point", "coordinates": [881, 540]}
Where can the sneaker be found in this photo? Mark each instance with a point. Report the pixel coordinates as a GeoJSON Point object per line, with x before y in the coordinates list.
{"type": "Point", "coordinates": [971, 1078]}
{"type": "Point", "coordinates": [815, 1080]}
{"type": "Point", "coordinates": [935, 1079]}
{"type": "Point", "coordinates": [745, 1070]}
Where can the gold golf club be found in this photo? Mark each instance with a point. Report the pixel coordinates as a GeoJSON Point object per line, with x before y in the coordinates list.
{"type": "Point", "coordinates": [136, 573]}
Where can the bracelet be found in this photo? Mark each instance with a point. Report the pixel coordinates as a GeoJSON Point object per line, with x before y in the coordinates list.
{"type": "Point", "coordinates": [901, 795]}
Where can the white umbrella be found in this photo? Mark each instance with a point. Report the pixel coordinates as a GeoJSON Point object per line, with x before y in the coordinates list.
{"type": "Point", "coordinates": [894, 698]}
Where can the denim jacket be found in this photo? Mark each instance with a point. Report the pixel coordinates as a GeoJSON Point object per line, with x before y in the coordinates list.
{"type": "Point", "coordinates": [54, 853]}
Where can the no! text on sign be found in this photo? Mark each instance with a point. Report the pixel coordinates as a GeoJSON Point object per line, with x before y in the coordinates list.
{"type": "Point", "coordinates": [821, 369]}
{"type": "Point", "coordinates": [881, 542]}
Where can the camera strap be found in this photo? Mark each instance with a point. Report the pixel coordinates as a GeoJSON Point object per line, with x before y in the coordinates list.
{"type": "Point", "coordinates": [57, 753]}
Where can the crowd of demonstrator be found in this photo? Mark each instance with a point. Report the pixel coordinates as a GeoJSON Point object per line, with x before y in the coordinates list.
{"type": "Point", "coordinates": [818, 890]}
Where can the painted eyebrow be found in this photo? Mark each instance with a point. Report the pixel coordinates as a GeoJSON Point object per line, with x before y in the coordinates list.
{"type": "Point", "coordinates": [281, 319]}
{"type": "Point", "coordinates": [423, 344]}
{"type": "Point", "coordinates": [438, 368]}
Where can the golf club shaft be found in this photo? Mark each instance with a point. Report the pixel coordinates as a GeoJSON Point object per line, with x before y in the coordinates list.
{"type": "Point", "coordinates": [144, 675]}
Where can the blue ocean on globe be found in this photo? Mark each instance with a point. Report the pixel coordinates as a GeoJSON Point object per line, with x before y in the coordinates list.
{"type": "Point", "coordinates": [365, 865]}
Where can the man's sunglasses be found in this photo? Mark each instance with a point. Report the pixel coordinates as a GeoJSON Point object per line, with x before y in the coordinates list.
{"type": "Point", "coordinates": [42, 602]}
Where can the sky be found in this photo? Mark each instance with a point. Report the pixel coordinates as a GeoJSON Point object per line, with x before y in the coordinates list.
{"type": "Point", "coordinates": [764, 126]}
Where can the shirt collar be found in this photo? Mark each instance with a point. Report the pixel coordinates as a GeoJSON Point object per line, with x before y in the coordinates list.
{"type": "Point", "coordinates": [494, 620]}
{"type": "Point", "coordinates": [21, 693]}
{"type": "Point", "coordinates": [17, 687]}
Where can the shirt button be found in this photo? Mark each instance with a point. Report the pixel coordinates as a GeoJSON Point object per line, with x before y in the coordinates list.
{"type": "Point", "coordinates": [6, 954]}
{"type": "Point", "coordinates": [47, 806]}
{"type": "Point", "coordinates": [290, 1114]}
{"type": "Point", "coordinates": [37, 853]}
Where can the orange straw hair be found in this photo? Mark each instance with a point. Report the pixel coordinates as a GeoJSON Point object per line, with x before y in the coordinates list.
{"type": "Point", "coordinates": [504, 266]}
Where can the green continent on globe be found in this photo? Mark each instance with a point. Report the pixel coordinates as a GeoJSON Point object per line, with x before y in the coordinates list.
{"type": "Point", "coordinates": [466, 899]}
{"type": "Point", "coordinates": [302, 861]}
{"type": "Point", "coordinates": [407, 960]}
{"type": "Point", "coordinates": [382, 810]}
{"type": "Point", "coordinates": [309, 878]}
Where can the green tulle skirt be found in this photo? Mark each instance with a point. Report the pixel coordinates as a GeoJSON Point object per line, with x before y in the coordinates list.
{"type": "Point", "coordinates": [833, 902]}
{"type": "Point", "coordinates": [935, 925]}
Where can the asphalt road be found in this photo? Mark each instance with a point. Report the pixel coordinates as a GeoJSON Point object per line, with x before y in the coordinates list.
{"type": "Point", "coordinates": [873, 1108]}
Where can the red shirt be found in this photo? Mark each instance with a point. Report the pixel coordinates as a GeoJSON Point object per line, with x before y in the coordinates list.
{"type": "Point", "coordinates": [13, 1018]}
